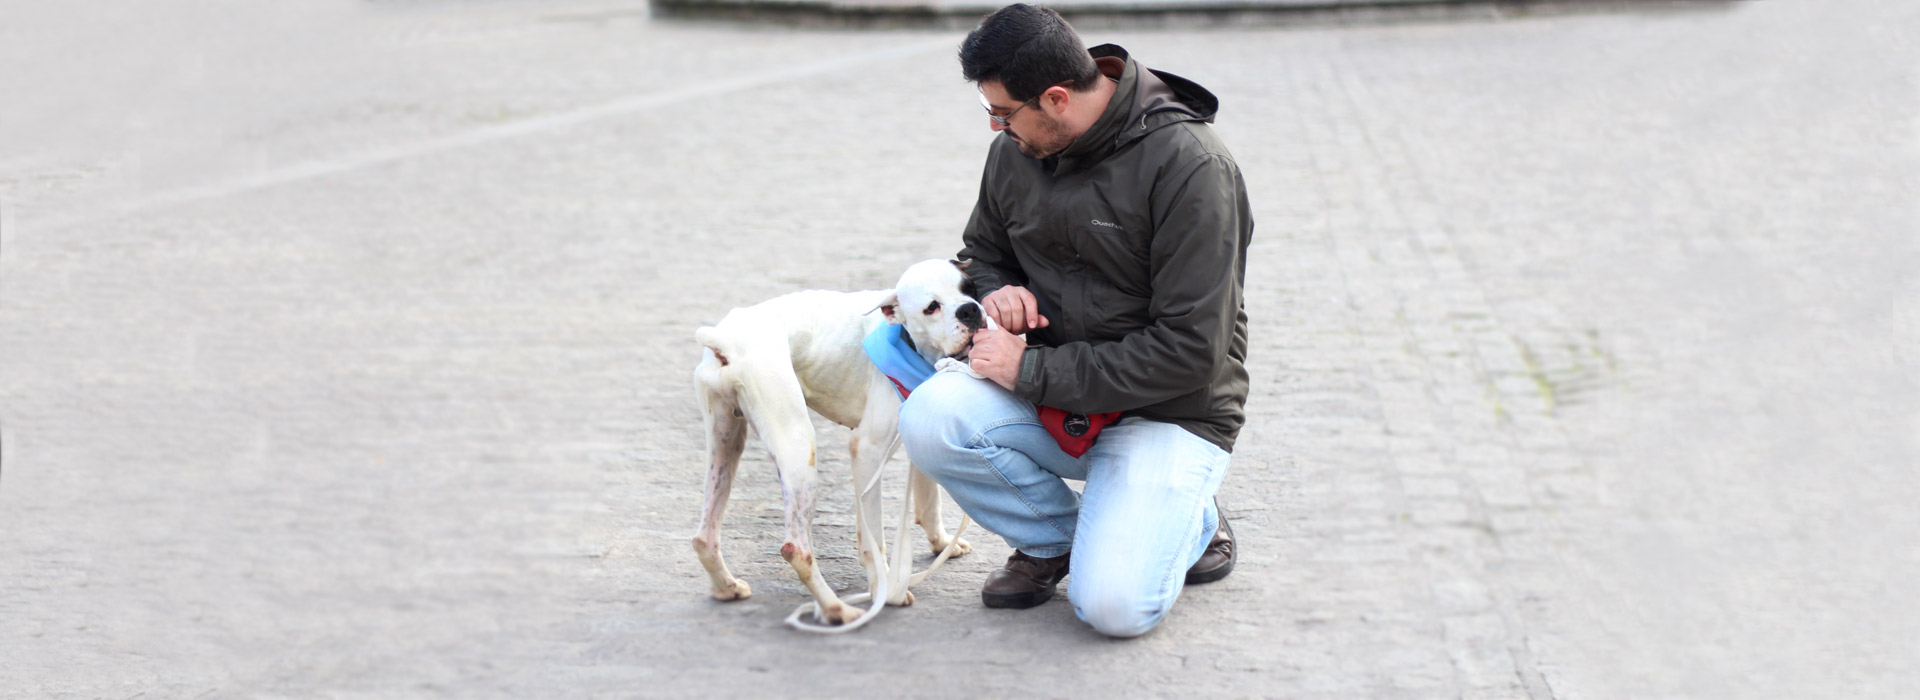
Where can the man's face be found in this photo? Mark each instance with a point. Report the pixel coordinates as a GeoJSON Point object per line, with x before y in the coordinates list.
{"type": "Point", "coordinates": [1037, 133]}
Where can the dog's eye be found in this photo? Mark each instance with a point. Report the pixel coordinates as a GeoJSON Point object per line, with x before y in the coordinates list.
{"type": "Point", "coordinates": [933, 308]}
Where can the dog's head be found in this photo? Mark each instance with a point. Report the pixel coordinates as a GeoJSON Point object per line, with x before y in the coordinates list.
{"type": "Point", "coordinates": [935, 301]}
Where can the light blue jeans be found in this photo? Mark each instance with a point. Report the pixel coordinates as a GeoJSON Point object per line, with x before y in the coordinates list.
{"type": "Point", "coordinates": [1144, 518]}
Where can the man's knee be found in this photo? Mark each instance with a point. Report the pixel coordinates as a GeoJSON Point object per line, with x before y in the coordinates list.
{"type": "Point", "coordinates": [1118, 615]}
{"type": "Point", "coordinates": [1113, 606]}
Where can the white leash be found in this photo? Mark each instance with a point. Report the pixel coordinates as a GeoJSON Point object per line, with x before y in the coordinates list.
{"type": "Point", "coordinates": [877, 552]}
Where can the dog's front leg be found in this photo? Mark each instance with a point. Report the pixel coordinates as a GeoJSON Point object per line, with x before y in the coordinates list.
{"type": "Point", "coordinates": [926, 512]}
{"type": "Point", "coordinates": [874, 441]}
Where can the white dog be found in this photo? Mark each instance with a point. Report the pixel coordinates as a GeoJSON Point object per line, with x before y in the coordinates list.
{"type": "Point", "coordinates": [765, 365]}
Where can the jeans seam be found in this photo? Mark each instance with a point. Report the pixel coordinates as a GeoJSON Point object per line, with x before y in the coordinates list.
{"type": "Point", "coordinates": [979, 441]}
{"type": "Point", "coordinates": [1176, 572]}
{"type": "Point", "coordinates": [980, 436]}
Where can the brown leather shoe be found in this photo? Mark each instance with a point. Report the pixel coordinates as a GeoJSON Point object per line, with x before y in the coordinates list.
{"type": "Point", "coordinates": [1217, 561]}
{"type": "Point", "coordinates": [1024, 582]}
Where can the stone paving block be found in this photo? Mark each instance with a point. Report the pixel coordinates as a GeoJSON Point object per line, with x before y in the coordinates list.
{"type": "Point", "coordinates": [1461, 596]}
{"type": "Point", "coordinates": [1512, 522]}
{"type": "Point", "coordinates": [1502, 488]}
{"type": "Point", "coordinates": [1428, 513]}
{"type": "Point", "coordinates": [1443, 487]}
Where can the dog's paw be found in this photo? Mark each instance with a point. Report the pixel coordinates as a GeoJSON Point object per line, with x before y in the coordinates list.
{"type": "Point", "coordinates": [735, 589]}
{"type": "Point", "coordinates": [839, 614]}
{"type": "Point", "coordinates": [948, 364]}
{"type": "Point", "coordinates": [903, 600]}
{"type": "Point", "coordinates": [961, 547]}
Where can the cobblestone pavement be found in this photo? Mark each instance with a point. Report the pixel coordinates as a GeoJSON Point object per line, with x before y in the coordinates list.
{"type": "Point", "coordinates": [346, 353]}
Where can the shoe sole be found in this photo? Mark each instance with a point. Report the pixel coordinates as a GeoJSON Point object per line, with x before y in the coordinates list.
{"type": "Point", "coordinates": [1210, 575]}
{"type": "Point", "coordinates": [1016, 601]}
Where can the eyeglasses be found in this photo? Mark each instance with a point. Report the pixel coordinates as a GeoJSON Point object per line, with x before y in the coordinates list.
{"type": "Point", "coordinates": [1002, 120]}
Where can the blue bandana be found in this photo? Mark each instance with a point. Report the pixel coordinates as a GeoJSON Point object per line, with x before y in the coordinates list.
{"type": "Point", "coordinates": [887, 347]}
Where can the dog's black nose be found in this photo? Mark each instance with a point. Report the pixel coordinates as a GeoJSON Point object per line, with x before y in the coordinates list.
{"type": "Point", "coordinates": [969, 315]}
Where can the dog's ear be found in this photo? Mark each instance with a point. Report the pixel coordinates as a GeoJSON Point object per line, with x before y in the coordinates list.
{"type": "Point", "coordinates": [968, 287]}
{"type": "Point", "coordinates": [891, 307]}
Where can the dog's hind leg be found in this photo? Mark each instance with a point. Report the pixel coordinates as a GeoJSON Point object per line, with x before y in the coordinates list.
{"type": "Point", "coordinates": [726, 437]}
{"type": "Point", "coordinates": [775, 404]}
{"type": "Point", "coordinates": [926, 512]}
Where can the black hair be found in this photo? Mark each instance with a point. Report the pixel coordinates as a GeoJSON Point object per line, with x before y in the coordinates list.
{"type": "Point", "coordinates": [1027, 49]}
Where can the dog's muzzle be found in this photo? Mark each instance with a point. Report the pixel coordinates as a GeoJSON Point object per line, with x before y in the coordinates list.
{"type": "Point", "coordinates": [970, 316]}
{"type": "Point", "coordinates": [965, 351]}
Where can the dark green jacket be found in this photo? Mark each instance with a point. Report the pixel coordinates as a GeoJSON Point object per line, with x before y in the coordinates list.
{"type": "Point", "coordinates": [1134, 240]}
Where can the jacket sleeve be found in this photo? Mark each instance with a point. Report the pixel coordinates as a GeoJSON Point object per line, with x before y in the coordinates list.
{"type": "Point", "coordinates": [985, 242]}
{"type": "Point", "coordinates": [1202, 223]}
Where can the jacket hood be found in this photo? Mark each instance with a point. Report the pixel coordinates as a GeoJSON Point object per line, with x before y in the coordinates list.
{"type": "Point", "coordinates": [1144, 100]}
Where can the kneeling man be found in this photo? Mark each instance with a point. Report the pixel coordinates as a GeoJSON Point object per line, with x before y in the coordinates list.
{"type": "Point", "coordinates": [1111, 229]}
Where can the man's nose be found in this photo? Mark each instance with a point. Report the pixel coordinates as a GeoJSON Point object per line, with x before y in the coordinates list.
{"type": "Point", "coordinates": [969, 315]}
{"type": "Point", "coordinates": [994, 125]}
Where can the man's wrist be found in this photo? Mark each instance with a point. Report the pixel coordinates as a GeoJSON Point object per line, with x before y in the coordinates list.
{"type": "Point", "coordinates": [1011, 380]}
{"type": "Point", "coordinates": [1027, 378]}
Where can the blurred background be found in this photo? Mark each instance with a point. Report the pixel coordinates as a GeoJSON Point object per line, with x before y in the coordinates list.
{"type": "Point", "coordinates": [345, 347]}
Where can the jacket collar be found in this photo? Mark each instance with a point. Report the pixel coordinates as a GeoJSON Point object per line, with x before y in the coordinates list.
{"type": "Point", "coordinates": [1143, 101]}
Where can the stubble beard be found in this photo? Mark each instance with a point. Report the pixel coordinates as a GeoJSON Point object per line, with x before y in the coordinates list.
{"type": "Point", "coordinates": [1046, 138]}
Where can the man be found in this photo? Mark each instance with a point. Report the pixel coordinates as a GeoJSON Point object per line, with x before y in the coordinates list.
{"type": "Point", "coordinates": [1112, 229]}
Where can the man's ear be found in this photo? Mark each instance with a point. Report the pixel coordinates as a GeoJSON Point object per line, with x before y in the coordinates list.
{"type": "Point", "coordinates": [891, 307]}
{"type": "Point", "coordinates": [1058, 97]}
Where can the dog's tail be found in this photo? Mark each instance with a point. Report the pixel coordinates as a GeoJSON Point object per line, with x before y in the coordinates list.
{"type": "Point", "coordinates": [753, 372]}
{"type": "Point", "coordinates": [715, 342]}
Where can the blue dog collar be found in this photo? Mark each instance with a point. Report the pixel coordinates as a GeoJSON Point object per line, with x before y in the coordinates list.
{"type": "Point", "coordinates": [887, 347]}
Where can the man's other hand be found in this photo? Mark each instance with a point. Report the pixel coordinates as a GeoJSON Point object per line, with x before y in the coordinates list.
{"type": "Point", "coordinates": [1015, 309]}
{"type": "Point", "coordinates": [996, 356]}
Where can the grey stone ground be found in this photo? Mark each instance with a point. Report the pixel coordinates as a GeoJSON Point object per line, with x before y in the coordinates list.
{"type": "Point", "coordinates": [346, 353]}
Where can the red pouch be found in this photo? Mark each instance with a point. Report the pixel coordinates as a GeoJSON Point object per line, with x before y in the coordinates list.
{"type": "Point", "coordinates": [1074, 431]}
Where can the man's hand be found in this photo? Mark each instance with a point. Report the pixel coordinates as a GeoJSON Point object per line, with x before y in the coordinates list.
{"type": "Point", "coordinates": [996, 356]}
{"type": "Point", "coordinates": [1015, 309]}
